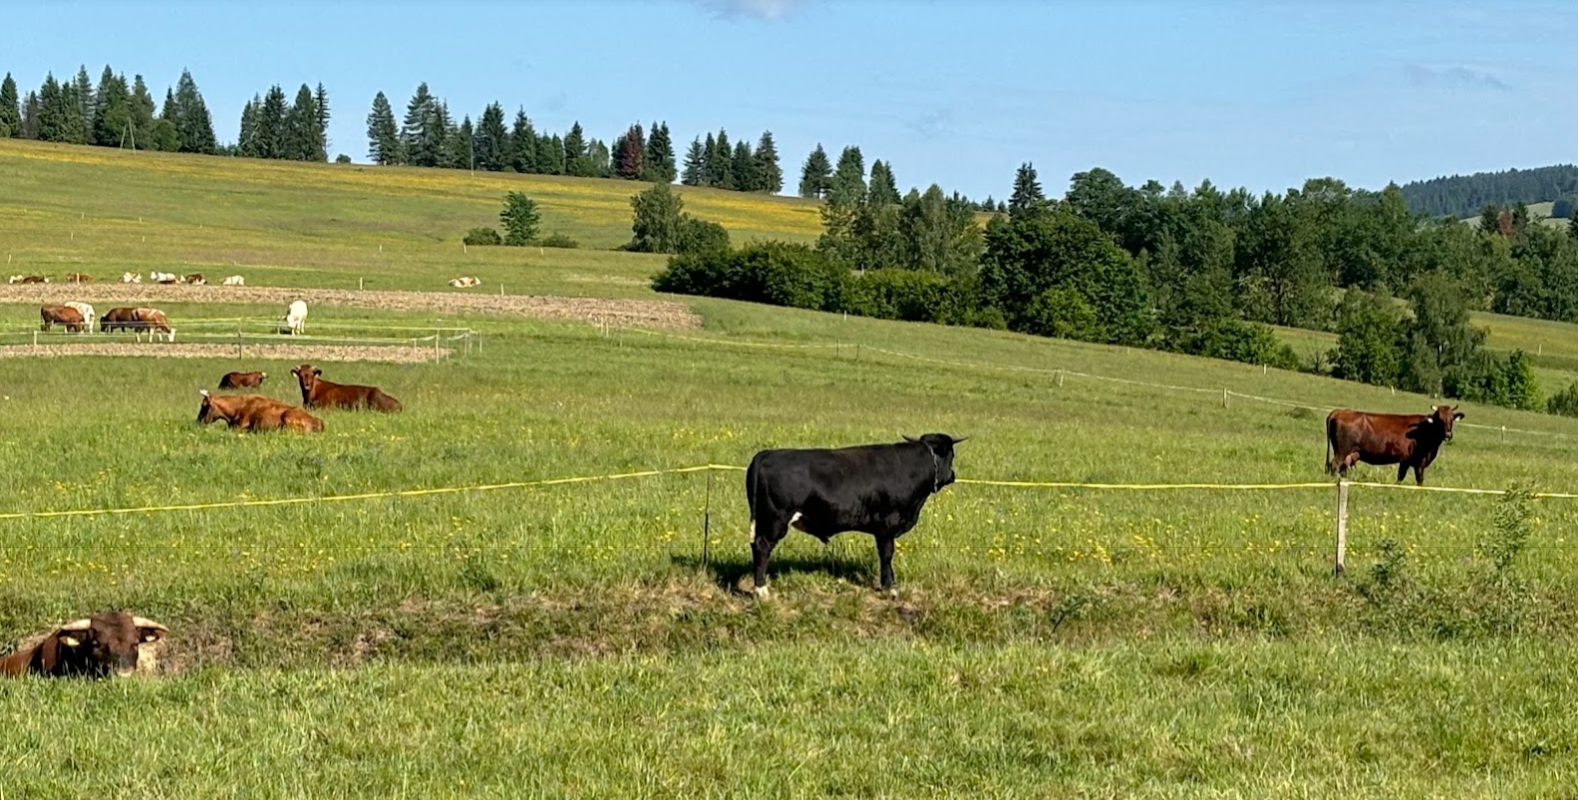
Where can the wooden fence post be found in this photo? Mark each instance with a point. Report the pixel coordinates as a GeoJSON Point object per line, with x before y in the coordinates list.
{"type": "Point", "coordinates": [1060, 379]}
{"type": "Point", "coordinates": [1224, 397]}
{"type": "Point", "coordinates": [1342, 526]}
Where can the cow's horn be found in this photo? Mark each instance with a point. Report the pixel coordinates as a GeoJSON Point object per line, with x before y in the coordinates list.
{"type": "Point", "coordinates": [144, 622]}
{"type": "Point", "coordinates": [958, 440]}
{"type": "Point", "coordinates": [203, 392]}
{"type": "Point", "coordinates": [909, 438]}
{"type": "Point", "coordinates": [79, 625]}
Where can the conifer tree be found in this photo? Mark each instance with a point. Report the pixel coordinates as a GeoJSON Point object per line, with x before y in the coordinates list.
{"type": "Point", "coordinates": [550, 155]}
{"type": "Point", "coordinates": [383, 138]}
{"type": "Point", "coordinates": [320, 101]}
{"type": "Point", "coordinates": [194, 126]}
{"type": "Point", "coordinates": [630, 154]}
{"type": "Point", "coordinates": [416, 135]}
{"type": "Point", "coordinates": [769, 176]}
{"type": "Point", "coordinates": [246, 138]}
{"type": "Point", "coordinates": [658, 161]}
{"type": "Point", "coordinates": [460, 146]}
{"type": "Point", "coordinates": [30, 114]}
{"type": "Point", "coordinates": [709, 156]}
{"type": "Point", "coordinates": [575, 153]}
{"type": "Point", "coordinates": [742, 169]}
{"type": "Point", "coordinates": [523, 143]}
{"type": "Point", "coordinates": [848, 186]}
{"type": "Point", "coordinates": [10, 109]}
{"type": "Point", "coordinates": [884, 189]}
{"type": "Point", "coordinates": [492, 139]}
{"type": "Point", "coordinates": [816, 175]}
{"type": "Point", "coordinates": [1027, 190]}
{"type": "Point", "coordinates": [270, 135]}
{"type": "Point", "coordinates": [82, 90]}
{"type": "Point", "coordinates": [695, 173]}
{"type": "Point", "coordinates": [142, 108]}
{"type": "Point", "coordinates": [720, 163]}
{"type": "Point", "coordinates": [302, 141]}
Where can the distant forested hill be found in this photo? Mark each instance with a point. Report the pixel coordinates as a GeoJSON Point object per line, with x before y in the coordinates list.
{"type": "Point", "coordinates": [1466, 195]}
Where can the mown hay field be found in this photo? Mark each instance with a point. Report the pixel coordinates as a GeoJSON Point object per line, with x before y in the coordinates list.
{"type": "Point", "coordinates": [567, 639]}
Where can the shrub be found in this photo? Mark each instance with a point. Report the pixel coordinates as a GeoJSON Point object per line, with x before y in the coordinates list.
{"type": "Point", "coordinates": [520, 219]}
{"type": "Point", "coordinates": [478, 237]}
{"type": "Point", "coordinates": [1564, 402]}
{"type": "Point", "coordinates": [770, 272]}
{"type": "Point", "coordinates": [558, 240]}
{"type": "Point", "coordinates": [903, 294]}
{"type": "Point", "coordinates": [1062, 312]}
{"type": "Point", "coordinates": [342, 159]}
{"type": "Point", "coordinates": [700, 236]}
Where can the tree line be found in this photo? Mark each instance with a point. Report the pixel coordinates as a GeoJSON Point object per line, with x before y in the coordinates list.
{"type": "Point", "coordinates": [112, 113]}
{"type": "Point", "coordinates": [1203, 272]}
{"type": "Point", "coordinates": [1463, 196]}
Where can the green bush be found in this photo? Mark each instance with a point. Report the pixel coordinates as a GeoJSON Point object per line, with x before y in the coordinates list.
{"type": "Point", "coordinates": [1564, 402]}
{"type": "Point", "coordinates": [781, 274]}
{"type": "Point", "coordinates": [558, 240]}
{"type": "Point", "coordinates": [1064, 313]}
{"type": "Point", "coordinates": [479, 237]}
{"type": "Point", "coordinates": [701, 236]}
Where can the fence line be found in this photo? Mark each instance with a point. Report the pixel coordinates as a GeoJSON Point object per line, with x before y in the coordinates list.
{"type": "Point", "coordinates": [1059, 373]}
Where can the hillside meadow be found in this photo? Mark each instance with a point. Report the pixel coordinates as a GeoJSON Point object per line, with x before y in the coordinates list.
{"type": "Point", "coordinates": [572, 639]}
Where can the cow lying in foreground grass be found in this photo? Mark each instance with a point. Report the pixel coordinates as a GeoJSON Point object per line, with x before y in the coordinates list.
{"type": "Point", "coordinates": [254, 412]}
{"type": "Point", "coordinates": [110, 643]}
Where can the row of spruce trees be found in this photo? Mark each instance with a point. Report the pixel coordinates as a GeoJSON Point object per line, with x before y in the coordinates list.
{"type": "Point", "coordinates": [112, 113]}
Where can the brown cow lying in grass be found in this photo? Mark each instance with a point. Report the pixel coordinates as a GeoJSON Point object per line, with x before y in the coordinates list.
{"type": "Point", "coordinates": [254, 412]}
{"type": "Point", "coordinates": [319, 393]}
{"type": "Point", "coordinates": [110, 643]}
{"type": "Point", "coordinates": [242, 380]}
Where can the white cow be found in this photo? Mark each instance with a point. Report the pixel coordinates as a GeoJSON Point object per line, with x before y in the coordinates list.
{"type": "Point", "coordinates": [88, 317]}
{"type": "Point", "coordinates": [296, 317]}
{"type": "Point", "coordinates": [235, 280]}
{"type": "Point", "coordinates": [131, 277]}
{"type": "Point", "coordinates": [163, 277]}
{"type": "Point", "coordinates": [15, 279]}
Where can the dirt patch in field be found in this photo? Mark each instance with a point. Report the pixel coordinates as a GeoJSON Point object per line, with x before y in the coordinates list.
{"type": "Point", "coordinates": [280, 352]}
{"type": "Point", "coordinates": [642, 313]}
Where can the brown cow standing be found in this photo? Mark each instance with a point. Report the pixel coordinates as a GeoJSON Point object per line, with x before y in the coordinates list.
{"type": "Point", "coordinates": [242, 380]}
{"type": "Point", "coordinates": [1410, 441]}
{"type": "Point", "coordinates": [254, 412]}
{"type": "Point", "coordinates": [119, 319]}
{"type": "Point", "coordinates": [319, 393]}
{"type": "Point", "coordinates": [110, 643]}
{"type": "Point", "coordinates": [62, 315]}
{"type": "Point", "coordinates": [77, 277]}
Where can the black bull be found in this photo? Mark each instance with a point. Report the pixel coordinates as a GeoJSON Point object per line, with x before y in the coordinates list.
{"type": "Point", "coordinates": [877, 489]}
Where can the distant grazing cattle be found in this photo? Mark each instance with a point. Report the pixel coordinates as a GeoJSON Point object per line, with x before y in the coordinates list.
{"type": "Point", "coordinates": [254, 412]}
{"type": "Point", "coordinates": [131, 277]}
{"type": "Point", "coordinates": [1410, 441]}
{"type": "Point", "coordinates": [196, 279]}
{"type": "Point", "coordinates": [70, 318]}
{"type": "Point", "coordinates": [110, 643]}
{"type": "Point", "coordinates": [319, 393]}
{"type": "Point", "coordinates": [877, 489]}
{"type": "Point", "coordinates": [136, 320]}
{"type": "Point", "coordinates": [242, 380]}
{"type": "Point", "coordinates": [14, 279]}
{"type": "Point", "coordinates": [464, 282]}
{"type": "Point", "coordinates": [164, 277]}
{"type": "Point", "coordinates": [235, 280]}
{"type": "Point", "coordinates": [296, 317]}
{"type": "Point", "coordinates": [28, 279]}
{"type": "Point", "coordinates": [86, 310]}
{"type": "Point", "coordinates": [77, 277]}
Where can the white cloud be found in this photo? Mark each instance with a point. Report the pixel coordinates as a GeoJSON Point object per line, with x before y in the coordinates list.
{"type": "Point", "coordinates": [762, 10]}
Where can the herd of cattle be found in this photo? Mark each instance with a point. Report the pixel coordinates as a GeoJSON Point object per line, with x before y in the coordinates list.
{"type": "Point", "coordinates": [76, 317]}
{"type": "Point", "coordinates": [168, 278]}
{"type": "Point", "coordinates": [879, 489]}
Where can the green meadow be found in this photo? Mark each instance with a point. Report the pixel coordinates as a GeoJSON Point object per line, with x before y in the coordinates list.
{"type": "Point", "coordinates": [582, 639]}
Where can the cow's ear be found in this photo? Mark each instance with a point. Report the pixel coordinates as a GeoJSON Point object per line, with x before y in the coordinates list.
{"type": "Point", "coordinates": [1457, 415]}
{"type": "Point", "coordinates": [317, 371]}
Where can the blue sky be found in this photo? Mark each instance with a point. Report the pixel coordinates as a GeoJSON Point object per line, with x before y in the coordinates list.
{"type": "Point", "coordinates": [1259, 94]}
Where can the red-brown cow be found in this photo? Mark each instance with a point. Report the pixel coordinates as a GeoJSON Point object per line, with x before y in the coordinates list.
{"type": "Point", "coordinates": [319, 393]}
{"type": "Point", "coordinates": [254, 412]}
{"type": "Point", "coordinates": [242, 380]}
{"type": "Point", "coordinates": [110, 643]}
{"type": "Point", "coordinates": [68, 317]}
{"type": "Point", "coordinates": [78, 277]}
{"type": "Point", "coordinates": [1410, 441]}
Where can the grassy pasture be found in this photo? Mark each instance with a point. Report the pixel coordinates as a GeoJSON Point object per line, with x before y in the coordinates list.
{"type": "Point", "coordinates": [564, 640]}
